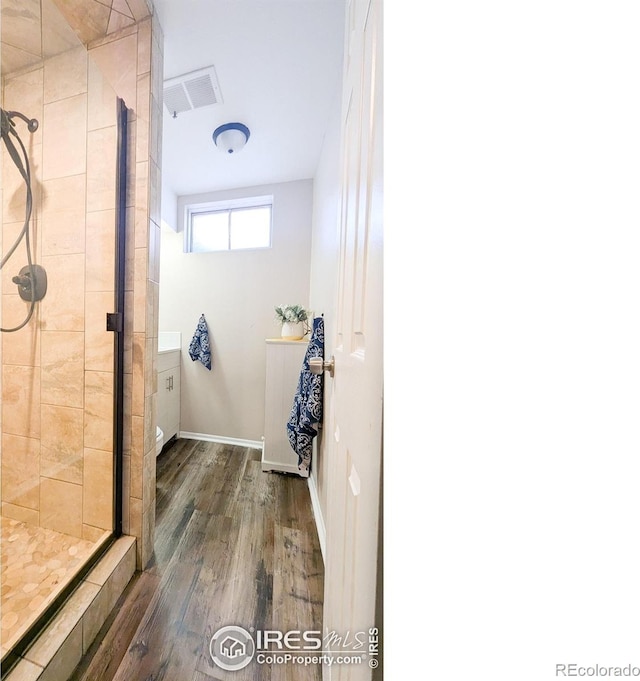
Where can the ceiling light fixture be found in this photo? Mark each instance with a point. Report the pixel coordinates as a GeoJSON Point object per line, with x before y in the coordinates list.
{"type": "Point", "coordinates": [231, 137]}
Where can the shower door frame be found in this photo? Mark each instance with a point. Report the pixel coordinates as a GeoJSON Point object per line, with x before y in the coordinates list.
{"type": "Point", "coordinates": [115, 323]}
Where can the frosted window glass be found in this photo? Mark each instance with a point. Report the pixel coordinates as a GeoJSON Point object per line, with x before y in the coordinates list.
{"type": "Point", "coordinates": [251, 228]}
{"type": "Point", "coordinates": [210, 232]}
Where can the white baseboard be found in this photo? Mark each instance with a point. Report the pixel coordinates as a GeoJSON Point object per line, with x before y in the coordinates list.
{"type": "Point", "coordinates": [317, 515]}
{"type": "Point", "coordinates": [205, 437]}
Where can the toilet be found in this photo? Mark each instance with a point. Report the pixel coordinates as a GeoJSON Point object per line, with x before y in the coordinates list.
{"type": "Point", "coordinates": [159, 440]}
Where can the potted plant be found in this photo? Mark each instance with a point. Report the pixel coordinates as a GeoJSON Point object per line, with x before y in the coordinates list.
{"type": "Point", "coordinates": [294, 321]}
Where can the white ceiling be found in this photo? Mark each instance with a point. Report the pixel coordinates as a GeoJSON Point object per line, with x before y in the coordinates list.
{"type": "Point", "coordinates": [279, 65]}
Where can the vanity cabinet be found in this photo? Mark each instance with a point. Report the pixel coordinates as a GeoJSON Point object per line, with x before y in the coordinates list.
{"type": "Point", "coordinates": [169, 393]}
{"type": "Point", "coordinates": [284, 364]}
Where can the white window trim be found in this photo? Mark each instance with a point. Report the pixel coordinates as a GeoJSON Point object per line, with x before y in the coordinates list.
{"type": "Point", "coordinates": [228, 204]}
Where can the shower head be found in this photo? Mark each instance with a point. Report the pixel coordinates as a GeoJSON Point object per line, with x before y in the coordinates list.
{"type": "Point", "coordinates": [7, 120]}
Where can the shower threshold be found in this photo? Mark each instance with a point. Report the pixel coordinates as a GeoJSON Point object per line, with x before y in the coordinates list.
{"type": "Point", "coordinates": [36, 565]}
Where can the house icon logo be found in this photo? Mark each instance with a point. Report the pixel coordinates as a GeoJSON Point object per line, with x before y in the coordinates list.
{"type": "Point", "coordinates": [232, 648]}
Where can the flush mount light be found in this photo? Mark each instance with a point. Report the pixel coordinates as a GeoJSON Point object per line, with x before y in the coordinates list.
{"type": "Point", "coordinates": [231, 137]}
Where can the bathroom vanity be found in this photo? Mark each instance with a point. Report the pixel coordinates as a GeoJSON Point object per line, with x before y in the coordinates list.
{"type": "Point", "coordinates": [169, 352]}
{"type": "Point", "coordinates": [284, 364]}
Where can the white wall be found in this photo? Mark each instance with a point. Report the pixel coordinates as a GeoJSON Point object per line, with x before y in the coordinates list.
{"type": "Point", "coordinates": [237, 292]}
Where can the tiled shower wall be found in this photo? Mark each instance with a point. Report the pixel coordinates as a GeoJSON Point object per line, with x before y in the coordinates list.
{"type": "Point", "coordinates": [57, 414]}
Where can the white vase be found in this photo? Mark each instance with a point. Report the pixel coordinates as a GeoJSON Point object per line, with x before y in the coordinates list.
{"type": "Point", "coordinates": [292, 330]}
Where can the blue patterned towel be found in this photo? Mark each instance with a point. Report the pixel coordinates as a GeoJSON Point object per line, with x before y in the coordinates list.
{"type": "Point", "coordinates": [200, 348]}
{"type": "Point", "coordinates": [306, 413]}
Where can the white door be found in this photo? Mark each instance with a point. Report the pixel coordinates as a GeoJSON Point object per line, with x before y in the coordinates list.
{"type": "Point", "coordinates": [355, 424]}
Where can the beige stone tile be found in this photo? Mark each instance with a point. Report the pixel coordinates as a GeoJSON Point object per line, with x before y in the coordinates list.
{"type": "Point", "coordinates": [98, 489]}
{"type": "Point", "coordinates": [118, 62]}
{"type": "Point", "coordinates": [64, 623]}
{"type": "Point", "coordinates": [122, 7]}
{"type": "Point", "coordinates": [154, 252]}
{"type": "Point", "coordinates": [101, 163]}
{"type": "Point", "coordinates": [155, 132]}
{"type": "Point", "coordinates": [63, 368]}
{"type": "Point", "coordinates": [132, 127]}
{"type": "Point", "coordinates": [144, 47]}
{"type": "Point", "coordinates": [19, 473]}
{"type": "Point", "coordinates": [63, 306]}
{"type": "Point", "coordinates": [149, 480]}
{"type": "Point", "coordinates": [99, 343]}
{"type": "Point", "coordinates": [118, 21]}
{"type": "Point", "coordinates": [23, 92]}
{"type": "Point", "coordinates": [22, 347]}
{"type": "Point", "coordinates": [10, 234]}
{"type": "Point", "coordinates": [21, 400]}
{"type": "Point", "coordinates": [142, 202]}
{"type": "Point", "coordinates": [21, 513]}
{"type": "Point", "coordinates": [88, 19]}
{"type": "Point", "coordinates": [109, 38]}
{"type": "Point", "coordinates": [137, 456]}
{"type": "Point", "coordinates": [61, 506]}
{"type": "Point", "coordinates": [130, 255]}
{"type": "Point", "coordinates": [21, 20]}
{"type": "Point", "coordinates": [155, 182]}
{"type": "Point", "coordinates": [140, 290]}
{"type": "Point", "coordinates": [150, 422]}
{"type": "Point", "coordinates": [137, 387]}
{"type": "Point", "coordinates": [67, 657]}
{"type": "Point", "coordinates": [135, 526]}
{"type": "Point", "coordinates": [101, 244]}
{"type": "Point", "coordinates": [122, 573]}
{"type": "Point", "coordinates": [25, 670]}
{"type": "Point", "coordinates": [65, 75]}
{"type": "Point", "coordinates": [98, 410]}
{"type": "Point", "coordinates": [157, 62]}
{"type": "Point", "coordinates": [95, 615]}
{"type": "Point", "coordinates": [153, 294]}
{"type": "Point", "coordinates": [61, 454]}
{"type": "Point", "coordinates": [139, 8]}
{"type": "Point", "coordinates": [64, 215]}
{"type": "Point", "coordinates": [14, 200]}
{"type": "Point", "coordinates": [59, 35]}
{"type": "Point", "coordinates": [126, 475]}
{"type": "Point", "coordinates": [15, 59]}
{"type": "Point", "coordinates": [94, 534]}
{"type": "Point", "coordinates": [143, 105]}
{"type": "Point", "coordinates": [149, 352]}
{"type": "Point", "coordinates": [64, 138]}
{"type": "Point", "coordinates": [109, 563]}
{"type": "Point", "coordinates": [102, 99]}
{"type": "Point", "coordinates": [148, 529]}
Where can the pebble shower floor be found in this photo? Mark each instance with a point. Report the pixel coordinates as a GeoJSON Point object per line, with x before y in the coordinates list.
{"type": "Point", "coordinates": [36, 563]}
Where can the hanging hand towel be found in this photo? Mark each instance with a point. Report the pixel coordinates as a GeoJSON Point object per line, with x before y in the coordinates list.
{"type": "Point", "coordinates": [306, 413]}
{"type": "Point", "coordinates": [200, 348]}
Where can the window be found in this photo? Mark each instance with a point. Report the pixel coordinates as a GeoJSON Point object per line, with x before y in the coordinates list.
{"type": "Point", "coordinates": [229, 225]}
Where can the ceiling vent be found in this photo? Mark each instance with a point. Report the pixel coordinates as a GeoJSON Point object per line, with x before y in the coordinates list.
{"type": "Point", "coordinates": [192, 91]}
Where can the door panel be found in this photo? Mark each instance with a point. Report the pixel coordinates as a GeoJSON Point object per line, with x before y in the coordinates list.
{"type": "Point", "coordinates": [355, 421]}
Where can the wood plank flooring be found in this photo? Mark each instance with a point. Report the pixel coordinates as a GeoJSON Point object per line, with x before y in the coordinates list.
{"type": "Point", "coordinates": [233, 546]}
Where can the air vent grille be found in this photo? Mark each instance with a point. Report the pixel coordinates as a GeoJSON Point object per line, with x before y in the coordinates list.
{"type": "Point", "coordinates": [192, 90]}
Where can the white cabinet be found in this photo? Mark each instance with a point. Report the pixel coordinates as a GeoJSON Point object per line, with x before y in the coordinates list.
{"type": "Point", "coordinates": [284, 363]}
{"type": "Point", "coordinates": [169, 393]}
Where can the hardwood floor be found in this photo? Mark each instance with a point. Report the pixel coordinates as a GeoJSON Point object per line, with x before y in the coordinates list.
{"type": "Point", "coordinates": [233, 546]}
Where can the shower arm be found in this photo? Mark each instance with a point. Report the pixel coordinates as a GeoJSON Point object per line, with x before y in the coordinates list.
{"type": "Point", "coordinates": [8, 116]}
